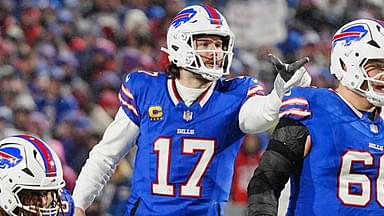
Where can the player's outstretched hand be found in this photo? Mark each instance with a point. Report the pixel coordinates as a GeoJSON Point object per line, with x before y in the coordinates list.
{"type": "Point", "coordinates": [286, 71]}
{"type": "Point", "coordinates": [289, 75]}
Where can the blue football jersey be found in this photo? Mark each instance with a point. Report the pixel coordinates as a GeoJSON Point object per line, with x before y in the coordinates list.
{"type": "Point", "coordinates": [343, 174]}
{"type": "Point", "coordinates": [68, 206]}
{"type": "Point", "coordinates": [185, 156]}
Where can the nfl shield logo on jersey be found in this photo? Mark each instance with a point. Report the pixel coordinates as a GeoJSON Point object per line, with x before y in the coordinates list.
{"type": "Point", "coordinates": [187, 116]}
{"type": "Point", "coordinates": [374, 128]}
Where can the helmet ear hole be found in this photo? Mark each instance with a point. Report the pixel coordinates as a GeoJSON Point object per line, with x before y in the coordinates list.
{"type": "Point", "coordinates": [175, 47]}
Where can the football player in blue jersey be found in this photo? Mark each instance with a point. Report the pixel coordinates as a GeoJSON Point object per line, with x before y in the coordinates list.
{"type": "Point", "coordinates": [31, 179]}
{"type": "Point", "coordinates": [330, 142]}
{"type": "Point", "coordinates": [187, 123]}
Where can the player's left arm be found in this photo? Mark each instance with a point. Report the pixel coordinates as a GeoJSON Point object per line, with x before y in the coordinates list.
{"type": "Point", "coordinates": [288, 145]}
{"type": "Point", "coordinates": [259, 113]}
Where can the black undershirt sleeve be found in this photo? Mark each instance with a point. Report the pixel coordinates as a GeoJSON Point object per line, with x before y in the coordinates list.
{"type": "Point", "coordinates": [285, 149]}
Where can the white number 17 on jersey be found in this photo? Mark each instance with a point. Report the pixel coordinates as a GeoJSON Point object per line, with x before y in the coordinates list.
{"type": "Point", "coordinates": [191, 188]}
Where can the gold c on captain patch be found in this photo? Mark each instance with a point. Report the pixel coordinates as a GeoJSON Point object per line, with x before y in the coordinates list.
{"type": "Point", "coordinates": [155, 113]}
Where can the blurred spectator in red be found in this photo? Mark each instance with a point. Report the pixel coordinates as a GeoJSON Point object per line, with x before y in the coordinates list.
{"type": "Point", "coordinates": [109, 102]}
{"type": "Point", "coordinates": [30, 23]}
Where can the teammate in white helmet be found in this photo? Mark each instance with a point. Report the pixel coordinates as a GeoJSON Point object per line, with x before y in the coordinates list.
{"type": "Point", "coordinates": [330, 142]}
{"type": "Point", "coordinates": [31, 179]}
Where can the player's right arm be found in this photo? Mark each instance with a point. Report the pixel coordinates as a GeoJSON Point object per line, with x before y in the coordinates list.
{"type": "Point", "coordinates": [115, 144]}
{"type": "Point", "coordinates": [103, 159]}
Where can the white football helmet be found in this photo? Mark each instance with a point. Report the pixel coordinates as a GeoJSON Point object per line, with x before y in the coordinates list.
{"type": "Point", "coordinates": [199, 20]}
{"type": "Point", "coordinates": [352, 46]}
{"type": "Point", "coordinates": [27, 163]}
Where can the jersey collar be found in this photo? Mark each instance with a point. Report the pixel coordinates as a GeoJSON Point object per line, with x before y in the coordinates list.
{"type": "Point", "coordinates": [176, 98]}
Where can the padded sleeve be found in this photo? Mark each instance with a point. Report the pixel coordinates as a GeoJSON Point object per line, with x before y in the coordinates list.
{"type": "Point", "coordinates": [285, 150]}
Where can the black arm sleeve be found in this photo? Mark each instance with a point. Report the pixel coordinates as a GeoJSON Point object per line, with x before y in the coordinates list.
{"type": "Point", "coordinates": [285, 148]}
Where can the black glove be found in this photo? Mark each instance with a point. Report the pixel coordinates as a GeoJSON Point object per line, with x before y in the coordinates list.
{"type": "Point", "coordinates": [286, 71]}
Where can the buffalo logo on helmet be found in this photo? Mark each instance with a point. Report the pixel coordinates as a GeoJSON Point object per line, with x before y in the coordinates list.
{"type": "Point", "coordinates": [183, 17]}
{"type": "Point", "coordinates": [9, 157]}
{"type": "Point", "coordinates": [350, 34]}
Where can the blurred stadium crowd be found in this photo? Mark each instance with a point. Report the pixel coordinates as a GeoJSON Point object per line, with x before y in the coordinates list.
{"type": "Point", "coordinates": [62, 61]}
